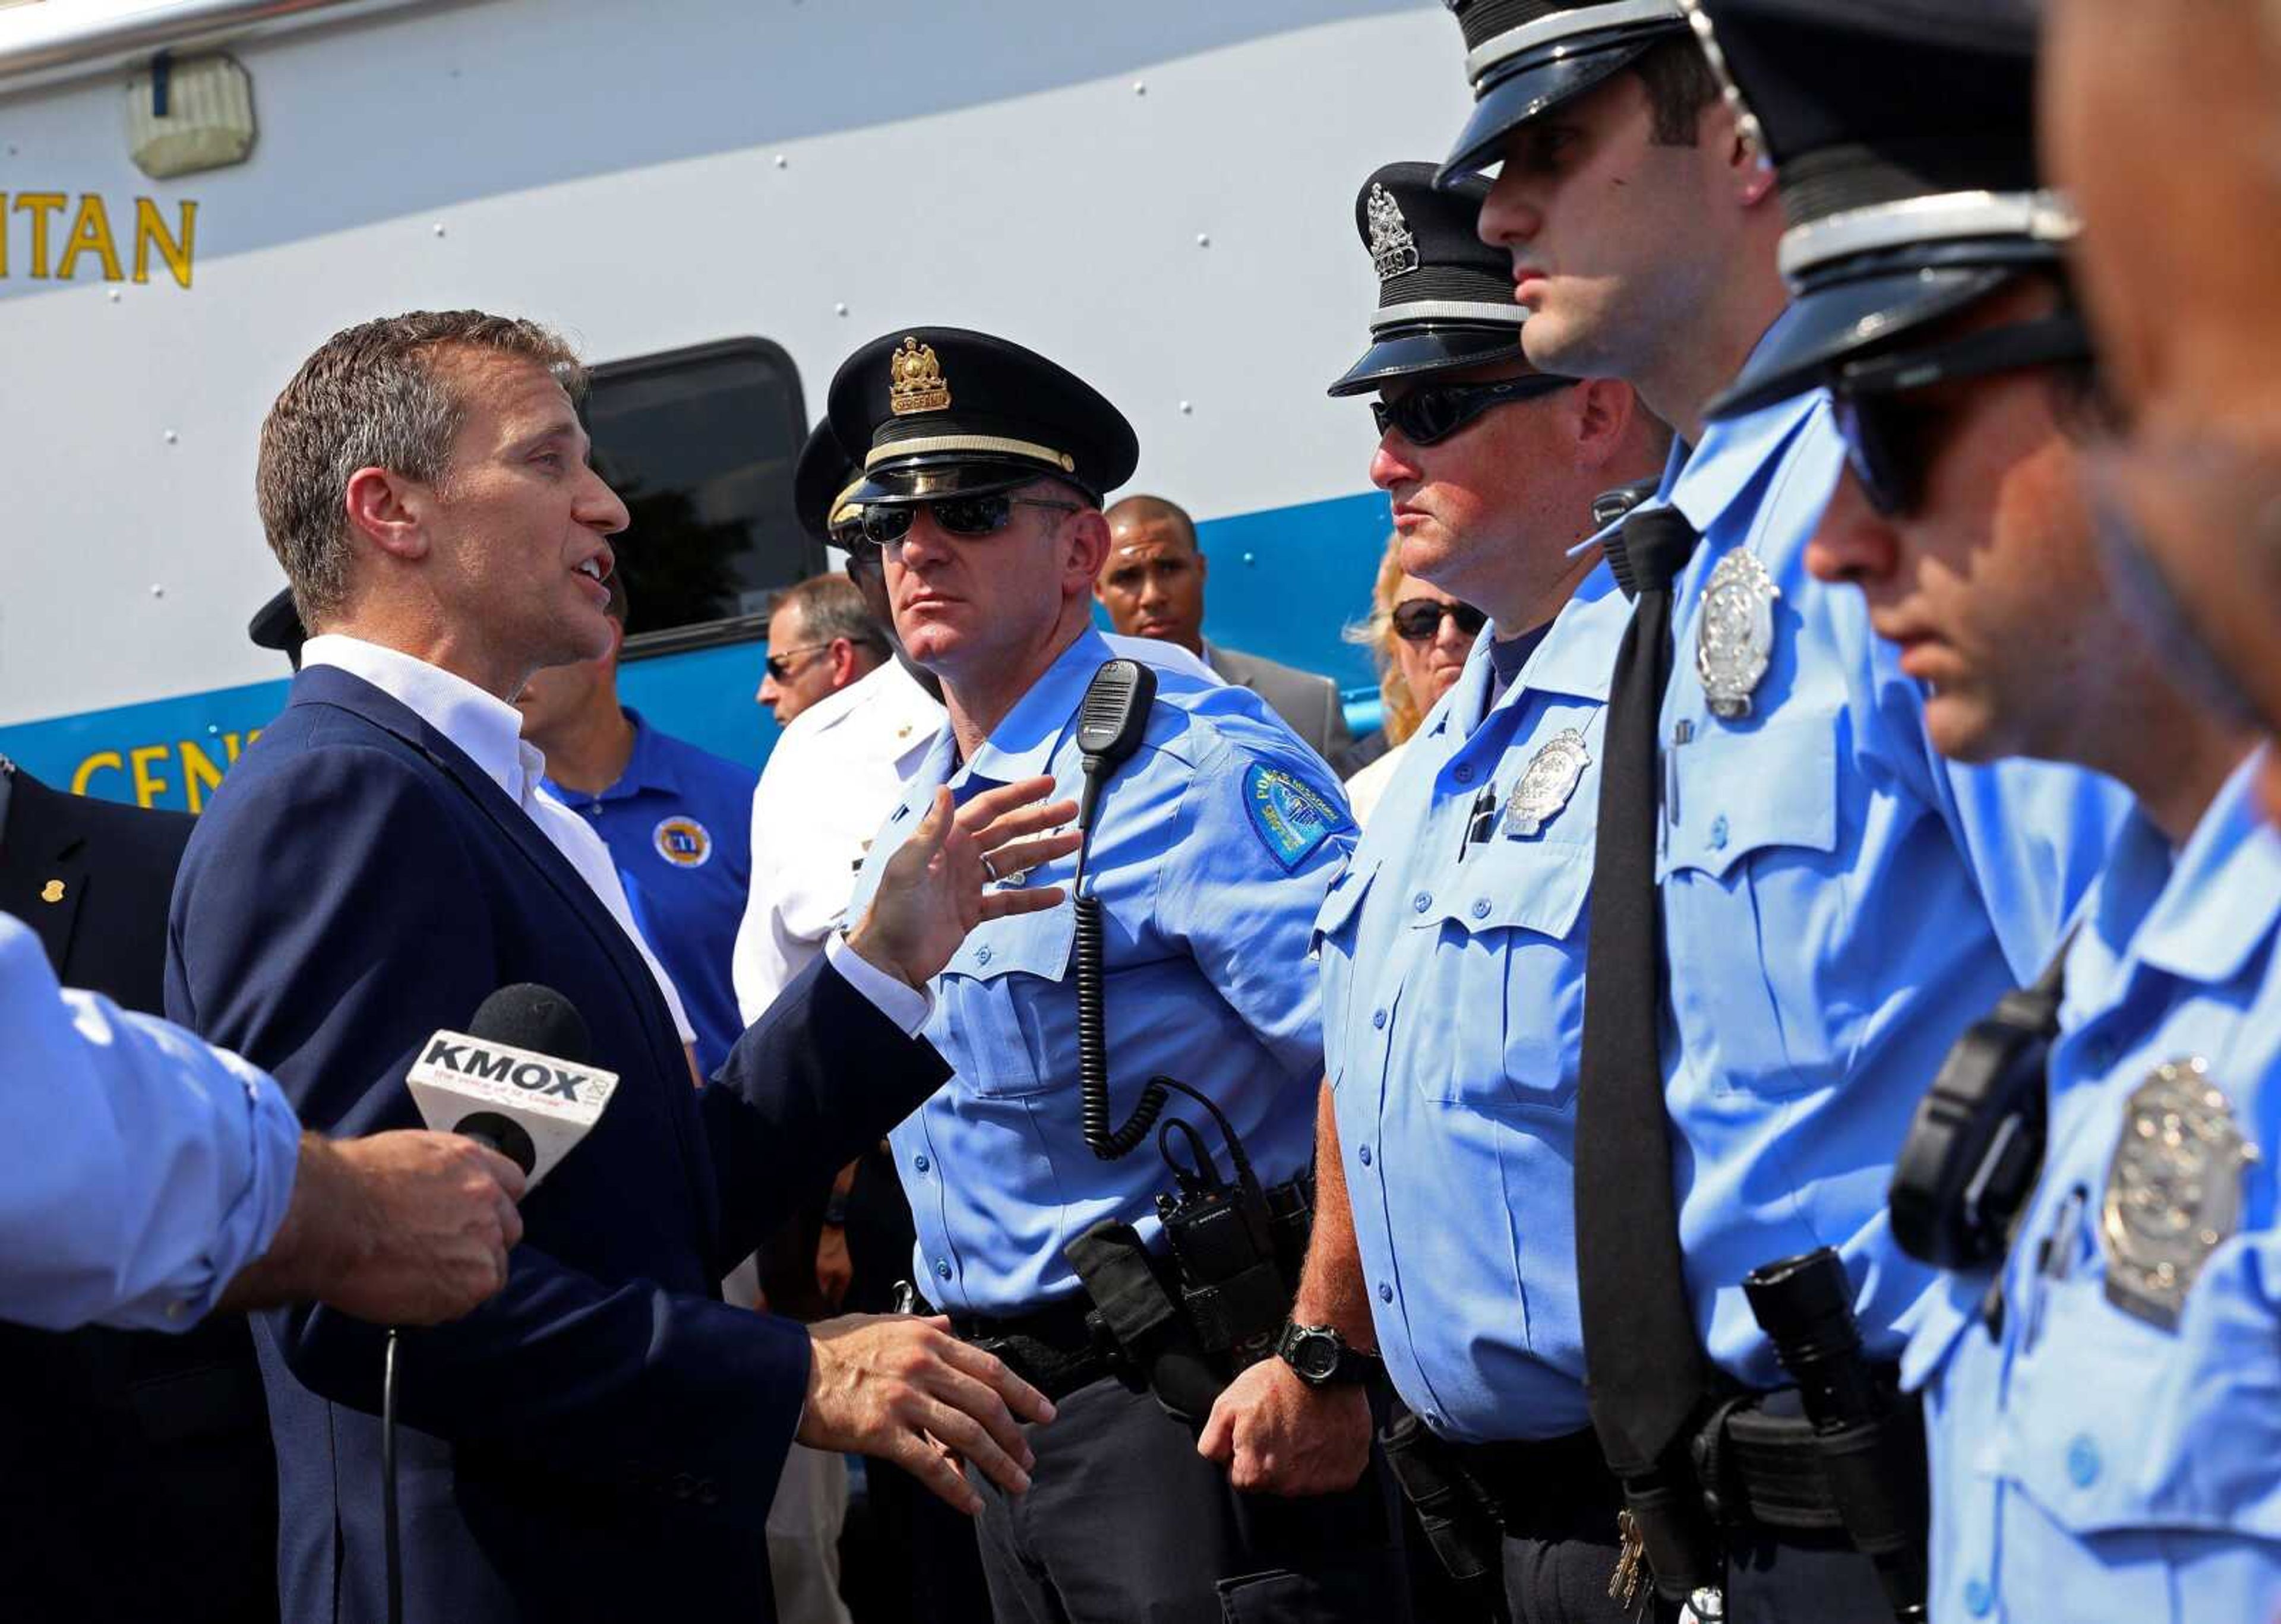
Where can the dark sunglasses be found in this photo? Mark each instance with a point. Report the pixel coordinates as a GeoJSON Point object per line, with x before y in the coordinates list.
{"type": "Point", "coordinates": [1435, 411]}
{"type": "Point", "coordinates": [1890, 439]}
{"type": "Point", "coordinates": [1419, 620]}
{"type": "Point", "coordinates": [780, 665]}
{"type": "Point", "coordinates": [957, 516]}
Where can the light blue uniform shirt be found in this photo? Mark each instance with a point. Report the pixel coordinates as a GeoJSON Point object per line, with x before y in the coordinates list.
{"type": "Point", "coordinates": [1216, 843]}
{"type": "Point", "coordinates": [140, 1170]}
{"type": "Point", "coordinates": [1839, 902]}
{"type": "Point", "coordinates": [2090, 1464]}
{"type": "Point", "coordinates": [1453, 1006]}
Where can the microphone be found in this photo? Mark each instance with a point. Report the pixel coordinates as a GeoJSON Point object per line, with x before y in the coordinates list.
{"type": "Point", "coordinates": [517, 1082]}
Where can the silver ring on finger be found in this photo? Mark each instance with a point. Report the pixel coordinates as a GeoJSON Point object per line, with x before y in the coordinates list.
{"type": "Point", "coordinates": [990, 868]}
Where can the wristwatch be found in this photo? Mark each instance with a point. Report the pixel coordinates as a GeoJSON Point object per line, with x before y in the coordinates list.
{"type": "Point", "coordinates": [1321, 1358]}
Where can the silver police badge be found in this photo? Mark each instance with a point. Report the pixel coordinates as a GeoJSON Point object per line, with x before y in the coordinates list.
{"type": "Point", "coordinates": [1545, 787]}
{"type": "Point", "coordinates": [1392, 249]}
{"type": "Point", "coordinates": [1737, 638]}
{"type": "Point", "coordinates": [2173, 1190]}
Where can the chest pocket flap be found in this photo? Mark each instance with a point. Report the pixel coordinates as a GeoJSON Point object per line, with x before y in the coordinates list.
{"type": "Point", "coordinates": [1508, 884]}
{"type": "Point", "coordinates": [1727, 795]}
{"type": "Point", "coordinates": [1027, 945]}
{"type": "Point", "coordinates": [1342, 901]}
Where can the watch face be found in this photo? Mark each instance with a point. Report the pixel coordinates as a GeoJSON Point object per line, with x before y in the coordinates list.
{"type": "Point", "coordinates": [1315, 1355]}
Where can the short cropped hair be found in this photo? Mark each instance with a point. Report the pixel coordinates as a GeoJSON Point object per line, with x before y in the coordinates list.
{"type": "Point", "coordinates": [831, 608]}
{"type": "Point", "coordinates": [1679, 85]}
{"type": "Point", "coordinates": [1155, 510]}
{"type": "Point", "coordinates": [374, 396]}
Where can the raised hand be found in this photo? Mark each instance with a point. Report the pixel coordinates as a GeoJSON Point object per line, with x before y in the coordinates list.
{"type": "Point", "coordinates": [936, 888]}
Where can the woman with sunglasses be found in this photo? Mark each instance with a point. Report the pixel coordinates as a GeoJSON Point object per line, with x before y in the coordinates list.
{"type": "Point", "coordinates": [1418, 637]}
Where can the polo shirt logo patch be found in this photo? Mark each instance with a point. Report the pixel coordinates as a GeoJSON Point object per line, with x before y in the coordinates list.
{"type": "Point", "coordinates": [1290, 817]}
{"type": "Point", "coordinates": [682, 842]}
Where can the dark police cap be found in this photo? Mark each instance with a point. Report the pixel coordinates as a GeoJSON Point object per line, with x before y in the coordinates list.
{"type": "Point", "coordinates": [1444, 297]}
{"type": "Point", "coordinates": [1903, 135]}
{"type": "Point", "coordinates": [940, 410]}
{"type": "Point", "coordinates": [1525, 58]}
{"type": "Point", "coordinates": [277, 624]}
{"type": "Point", "coordinates": [823, 481]}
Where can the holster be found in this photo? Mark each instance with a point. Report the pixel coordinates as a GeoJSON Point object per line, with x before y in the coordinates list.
{"type": "Point", "coordinates": [1137, 1316]}
{"type": "Point", "coordinates": [1459, 1522]}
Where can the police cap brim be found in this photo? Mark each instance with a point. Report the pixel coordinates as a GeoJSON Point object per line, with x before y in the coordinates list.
{"type": "Point", "coordinates": [1829, 325]}
{"type": "Point", "coordinates": [928, 480]}
{"type": "Point", "coordinates": [1533, 90]}
{"type": "Point", "coordinates": [277, 624]}
{"type": "Point", "coordinates": [1413, 352]}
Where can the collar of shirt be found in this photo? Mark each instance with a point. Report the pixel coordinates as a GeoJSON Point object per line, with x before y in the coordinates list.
{"type": "Point", "coordinates": [1022, 745]}
{"type": "Point", "coordinates": [485, 726]}
{"type": "Point", "coordinates": [649, 767]}
{"type": "Point", "coordinates": [1579, 667]}
{"type": "Point", "coordinates": [2197, 914]}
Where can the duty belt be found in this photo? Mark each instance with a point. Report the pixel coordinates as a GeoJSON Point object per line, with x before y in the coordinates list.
{"type": "Point", "coordinates": [1766, 1468]}
{"type": "Point", "coordinates": [1053, 1348]}
{"type": "Point", "coordinates": [1548, 1488]}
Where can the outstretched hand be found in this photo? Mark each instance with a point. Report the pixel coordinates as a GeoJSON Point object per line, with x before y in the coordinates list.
{"type": "Point", "coordinates": [907, 1390]}
{"type": "Point", "coordinates": [935, 889]}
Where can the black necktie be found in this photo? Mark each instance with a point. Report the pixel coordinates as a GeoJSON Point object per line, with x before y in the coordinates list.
{"type": "Point", "coordinates": [1644, 1362]}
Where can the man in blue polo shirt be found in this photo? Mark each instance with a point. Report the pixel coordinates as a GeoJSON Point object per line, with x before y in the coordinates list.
{"type": "Point", "coordinates": [674, 817]}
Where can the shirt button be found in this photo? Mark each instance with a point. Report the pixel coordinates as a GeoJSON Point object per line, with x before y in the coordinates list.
{"type": "Point", "coordinates": [1481, 908]}
{"type": "Point", "coordinates": [1364, 1154]}
{"type": "Point", "coordinates": [921, 1162]}
{"type": "Point", "coordinates": [1423, 901]}
{"type": "Point", "coordinates": [2083, 1461]}
{"type": "Point", "coordinates": [982, 956]}
{"type": "Point", "coordinates": [1718, 839]}
{"type": "Point", "coordinates": [1978, 1598]}
{"type": "Point", "coordinates": [1378, 1019]}
{"type": "Point", "coordinates": [1385, 1292]}
{"type": "Point", "coordinates": [942, 1268]}
{"type": "Point", "coordinates": [1465, 774]}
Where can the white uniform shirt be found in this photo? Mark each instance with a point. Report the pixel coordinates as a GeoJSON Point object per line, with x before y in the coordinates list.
{"type": "Point", "coordinates": [832, 779]}
{"type": "Point", "coordinates": [489, 729]}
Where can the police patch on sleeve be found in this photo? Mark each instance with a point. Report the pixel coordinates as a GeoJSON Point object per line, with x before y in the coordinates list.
{"type": "Point", "coordinates": [1290, 817]}
{"type": "Point", "coordinates": [684, 842]}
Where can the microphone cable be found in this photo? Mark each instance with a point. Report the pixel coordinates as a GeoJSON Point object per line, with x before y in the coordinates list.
{"type": "Point", "coordinates": [393, 1560]}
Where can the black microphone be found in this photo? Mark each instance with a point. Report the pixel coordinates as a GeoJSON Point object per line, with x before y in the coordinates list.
{"type": "Point", "coordinates": [517, 1081]}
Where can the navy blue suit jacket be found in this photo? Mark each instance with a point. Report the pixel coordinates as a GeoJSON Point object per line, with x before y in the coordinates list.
{"type": "Point", "coordinates": [605, 1435]}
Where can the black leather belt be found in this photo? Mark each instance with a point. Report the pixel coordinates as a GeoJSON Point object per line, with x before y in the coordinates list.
{"type": "Point", "coordinates": [1547, 1488]}
{"type": "Point", "coordinates": [1052, 1347]}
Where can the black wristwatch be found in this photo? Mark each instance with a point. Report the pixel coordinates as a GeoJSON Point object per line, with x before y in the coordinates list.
{"type": "Point", "coordinates": [1321, 1358]}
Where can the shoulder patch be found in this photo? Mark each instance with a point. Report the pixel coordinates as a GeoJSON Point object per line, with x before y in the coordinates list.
{"type": "Point", "coordinates": [1291, 816]}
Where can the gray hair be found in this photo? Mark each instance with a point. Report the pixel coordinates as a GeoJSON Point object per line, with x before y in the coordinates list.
{"type": "Point", "coordinates": [831, 608]}
{"type": "Point", "coordinates": [374, 396]}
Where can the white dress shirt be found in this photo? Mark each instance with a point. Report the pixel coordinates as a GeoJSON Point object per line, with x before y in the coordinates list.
{"type": "Point", "coordinates": [489, 729]}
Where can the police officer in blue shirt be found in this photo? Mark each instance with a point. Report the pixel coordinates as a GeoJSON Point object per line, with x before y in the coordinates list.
{"type": "Point", "coordinates": [677, 819]}
{"type": "Point", "coordinates": [2103, 1432]}
{"type": "Point", "coordinates": [984, 465]}
{"type": "Point", "coordinates": [1797, 904]}
{"type": "Point", "coordinates": [1453, 949]}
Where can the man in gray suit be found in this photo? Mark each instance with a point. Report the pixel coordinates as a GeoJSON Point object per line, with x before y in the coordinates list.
{"type": "Point", "coordinates": [1153, 586]}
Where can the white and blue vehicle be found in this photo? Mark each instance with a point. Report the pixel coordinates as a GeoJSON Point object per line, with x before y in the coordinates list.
{"type": "Point", "coordinates": [718, 199]}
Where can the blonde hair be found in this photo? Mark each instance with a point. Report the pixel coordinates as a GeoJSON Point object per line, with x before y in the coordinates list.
{"type": "Point", "coordinates": [1376, 634]}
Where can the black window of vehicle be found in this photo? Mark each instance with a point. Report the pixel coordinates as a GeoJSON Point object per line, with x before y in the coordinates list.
{"type": "Point", "coordinates": [699, 442]}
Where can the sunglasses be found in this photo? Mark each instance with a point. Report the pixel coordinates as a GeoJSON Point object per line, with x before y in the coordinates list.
{"type": "Point", "coordinates": [1419, 620]}
{"type": "Point", "coordinates": [1436, 411]}
{"type": "Point", "coordinates": [1892, 433]}
{"type": "Point", "coordinates": [780, 665]}
{"type": "Point", "coordinates": [955, 516]}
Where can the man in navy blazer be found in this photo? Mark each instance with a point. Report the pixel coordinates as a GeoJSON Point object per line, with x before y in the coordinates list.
{"type": "Point", "coordinates": [601, 1440]}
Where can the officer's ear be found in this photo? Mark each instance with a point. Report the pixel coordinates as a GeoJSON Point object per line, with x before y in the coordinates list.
{"type": "Point", "coordinates": [389, 510]}
{"type": "Point", "coordinates": [1604, 411]}
{"type": "Point", "coordinates": [1084, 540]}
